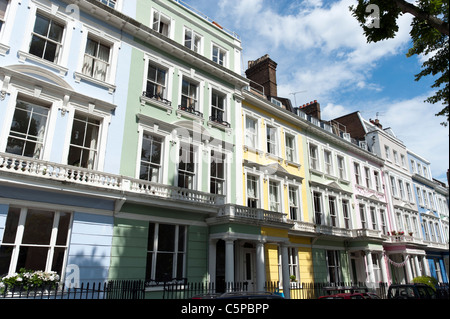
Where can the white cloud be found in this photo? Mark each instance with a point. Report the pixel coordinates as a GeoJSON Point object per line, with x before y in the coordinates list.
{"type": "Point", "coordinates": [416, 125]}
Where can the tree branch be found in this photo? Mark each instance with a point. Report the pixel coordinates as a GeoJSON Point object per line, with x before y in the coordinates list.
{"type": "Point", "coordinates": [435, 22]}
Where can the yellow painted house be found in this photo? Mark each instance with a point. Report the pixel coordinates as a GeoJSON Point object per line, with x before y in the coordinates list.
{"type": "Point", "coordinates": [273, 174]}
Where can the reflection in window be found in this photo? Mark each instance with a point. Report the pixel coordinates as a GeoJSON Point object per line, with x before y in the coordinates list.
{"type": "Point", "coordinates": [151, 158]}
{"type": "Point", "coordinates": [84, 142]}
{"type": "Point", "coordinates": [42, 245]}
{"type": "Point", "coordinates": [46, 38]}
{"type": "Point", "coordinates": [28, 127]}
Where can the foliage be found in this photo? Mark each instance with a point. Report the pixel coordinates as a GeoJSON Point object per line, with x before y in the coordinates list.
{"type": "Point", "coordinates": [430, 281]}
{"type": "Point", "coordinates": [429, 35]}
{"type": "Point", "coordinates": [28, 279]}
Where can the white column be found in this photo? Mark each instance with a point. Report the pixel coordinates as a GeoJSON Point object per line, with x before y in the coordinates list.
{"type": "Point", "coordinates": [285, 271]}
{"type": "Point", "coordinates": [426, 266]}
{"type": "Point", "coordinates": [212, 261]}
{"type": "Point", "coordinates": [416, 265]}
{"type": "Point", "coordinates": [409, 276]}
{"type": "Point", "coordinates": [383, 268]}
{"type": "Point", "coordinates": [371, 275]}
{"type": "Point", "coordinates": [260, 267]}
{"type": "Point", "coordinates": [229, 261]}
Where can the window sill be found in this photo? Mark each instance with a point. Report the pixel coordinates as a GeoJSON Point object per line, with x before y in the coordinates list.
{"type": "Point", "coordinates": [153, 102]}
{"type": "Point", "coordinates": [80, 76]}
{"type": "Point", "coordinates": [220, 126]}
{"type": "Point", "coordinates": [23, 56]}
{"type": "Point", "coordinates": [189, 115]}
{"type": "Point", "coordinates": [295, 164]}
{"type": "Point", "coordinates": [3, 49]}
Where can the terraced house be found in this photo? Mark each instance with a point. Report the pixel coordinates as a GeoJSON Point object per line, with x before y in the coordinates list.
{"type": "Point", "coordinates": [132, 147]}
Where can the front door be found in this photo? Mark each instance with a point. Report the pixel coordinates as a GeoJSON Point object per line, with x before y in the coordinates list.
{"type": "Point", "coordinates": [248, 271]}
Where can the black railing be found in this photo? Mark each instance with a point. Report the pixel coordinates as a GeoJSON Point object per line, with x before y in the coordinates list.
{"type": "Point", "coordinates": [157, 97]}
{"type": "Point", "coordinates": [190, 109]}
{"type": "Point", "coordinates": [113, 289]}
{"type": "Point", "coordinates": [219, 120]}
{"type": "Point", "coordinates": [187, 290]}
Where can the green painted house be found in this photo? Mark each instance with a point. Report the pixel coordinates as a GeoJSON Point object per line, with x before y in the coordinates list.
{"type": "Point", "coordinates": [178, 146]}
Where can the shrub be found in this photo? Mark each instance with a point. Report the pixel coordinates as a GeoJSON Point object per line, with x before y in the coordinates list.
{"type": "Point", "coordinates": [430, 281]}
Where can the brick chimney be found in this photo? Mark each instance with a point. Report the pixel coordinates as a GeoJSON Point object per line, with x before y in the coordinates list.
{"type": "Point", "coordinates": [264, 72]}
{"type": "Point", "coordinates": [312, 108]}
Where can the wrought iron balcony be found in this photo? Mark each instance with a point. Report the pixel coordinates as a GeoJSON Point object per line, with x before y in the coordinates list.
{"type": "Point", "coordinates": [219, 121]}
{"type": "Point", "coordinates": [157, 97]}
{"type": "Point", "coordinates": [191, 110]}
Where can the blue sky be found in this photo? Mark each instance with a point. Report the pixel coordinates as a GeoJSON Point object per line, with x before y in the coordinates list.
{"type": "Point", "coordinates": [320, 50]}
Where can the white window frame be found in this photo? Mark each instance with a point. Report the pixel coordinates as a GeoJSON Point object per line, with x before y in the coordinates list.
{"type": "Point", "coordinates": [357, 171]}
{"type": "Point", "coordinates": [278, 202]}
{"type": "Point", "coordinates": [168, 19]}
{"type": "Point", "coordinates": [333, 210]}
{"type": "Point", "coordinates": [270, 131]}
{"type": "Point", "coordinates": [107, 40]}
{"type": "Point", "coordinates": [162, 155]}
{"type": "Point", "coordinates": [342, 172]}
{"type": "Point", "coordinates": [105, 120]}
{"type": "Point", "coordinates": [220, 50]}
{"type": "Point", "coordinates": [290, 149]}
{"type": "Point", "coordinates": [225, 171]}
{"type": "Point", "coordinates": [50, 125]}
{"type": "Point", "coordinates": [297, 200]}
{"type": "Point", "coordinates": [51, 246]}
{"type": "Point", "coordinates": [258, 190]}
{"type": "Point", "coordinates": [363, 215]}
{"type": "Point", "coordinates": [347, 218]}
{"type": "Point", "coordinates": [195, 150]}
{"type": "Point", "coordinates": [314, 159]}
{"type": "Point", "coordinates": [328, 162]}
{"type": "Point", "coordinates": [193, 35]}
{"type": "Point", "coordinates": [255, 135]}
{"type": "Point", "coordinates": [61, 17]}
{"type": "Point", "coordinates": [94, 164]}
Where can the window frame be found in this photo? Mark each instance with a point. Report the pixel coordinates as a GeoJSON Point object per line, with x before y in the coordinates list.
{"type": "Point", "coordinates": [194, 150]}
{"type": "Point", "coordinates": [216, 59]}
{"type": "Point", "coordinates": [214, 179]}
{"type": "Point", "coordinates": [254, 135]}
{"type": "Point", "coordinates": [83, 147]}
{"type": "Point", "coordinates": [194, 34]}
{"type": "Point", "coordinates": [255, 180]}
{"type": "Point", "coordinates": [151, 271]}
{"type": "Point", "coordinates": [274, 184]}
{"type": "Point", "coordinates": [159, 166]}
{"type": "Point", "coordinates": [272, 146]}
{"type": "Point", "coordinates": [53, 238]}
{"type": "Point", "coordinates": [53, 20]}
{"type": "Point", "coordinates": [313, 150]}
{"type": "Point", "coordinates": [45, 139]}
{"type": "Point", "coordinates": [169, 23]}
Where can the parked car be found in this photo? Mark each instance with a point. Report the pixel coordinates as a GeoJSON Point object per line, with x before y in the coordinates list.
{"type": "Point", "coordinates": [411, 291]}
{"type": "Point", "coordinates": [355, 295]}
{"type": "Point", "coordinates": [239, 295]}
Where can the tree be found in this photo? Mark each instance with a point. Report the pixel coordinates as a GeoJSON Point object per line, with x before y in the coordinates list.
{"type": "Point", "coordinates": [429, 35]}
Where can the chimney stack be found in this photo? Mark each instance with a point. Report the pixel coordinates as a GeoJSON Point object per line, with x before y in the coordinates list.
{"type": "Point", "coordinates": [312, 108]}
{"type": "Point", "coordinates": [264, 72]}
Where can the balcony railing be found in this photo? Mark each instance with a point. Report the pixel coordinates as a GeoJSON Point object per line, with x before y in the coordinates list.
{"type": "Point", "coordinates": [254, 214]}
{"type": "Point", "coordinates": [156, 97]}
{"type": "Point", "coordinates": [34, 168]}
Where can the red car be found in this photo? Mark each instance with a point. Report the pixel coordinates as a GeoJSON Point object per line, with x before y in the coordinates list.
{"type": "Point", "coordinates": [356, 295]}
